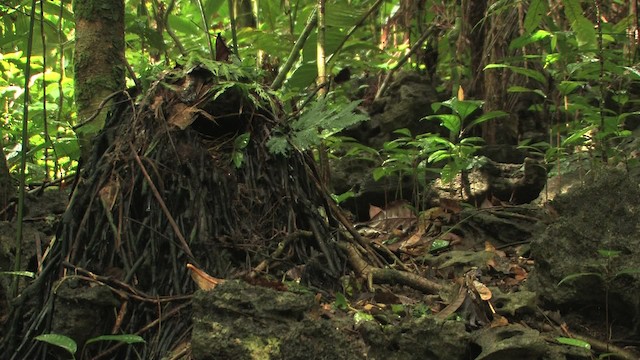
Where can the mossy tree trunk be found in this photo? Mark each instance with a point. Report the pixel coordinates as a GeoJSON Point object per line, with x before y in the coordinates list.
{"type": "Point", "coordinates": [99, 68]}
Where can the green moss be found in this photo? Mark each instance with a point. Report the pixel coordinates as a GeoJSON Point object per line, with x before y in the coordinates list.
{"type": "Point", "coordinates": [262, 348]}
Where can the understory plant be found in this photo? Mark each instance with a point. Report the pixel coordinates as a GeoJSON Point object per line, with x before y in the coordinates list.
{"type": "Point", "coordinates": [449, 155]}
{"type": "Point", "coordinates": [71, 347]}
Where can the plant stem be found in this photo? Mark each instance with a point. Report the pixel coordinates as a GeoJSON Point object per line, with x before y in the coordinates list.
{"type": "Point", "coordinates": [23, 152]}
{"type": "Point", "coordinates": [295, 52]}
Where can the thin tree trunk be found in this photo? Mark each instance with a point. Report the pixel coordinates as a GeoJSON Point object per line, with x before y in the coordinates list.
{"type": "Point", "coordinates": [99, 66]}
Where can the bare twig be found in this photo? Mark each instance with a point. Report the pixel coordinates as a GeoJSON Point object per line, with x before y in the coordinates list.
{"type": "Point", "coordinates": [403, 60]}
{"type": "Point", "coordinates": [163, 206]}
{"type": "Point", "coordinates": [295, 52]}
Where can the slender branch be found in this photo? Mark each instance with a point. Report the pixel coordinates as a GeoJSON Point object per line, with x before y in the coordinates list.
{"type": "Point", "coordinates": [23, 153]}
{"type": "Point", "coordinates": [403, 60]}
{"type": "Point", "coordinates": [234, 31]}
{"type": "Point", "coordinates": [321, 59]}
{"type": "Point", "coordinates": [163, 206]}
{"type": "Point", "coordinates": [205, 23]}
{"type": "Point", "coordinates": [295, 52]}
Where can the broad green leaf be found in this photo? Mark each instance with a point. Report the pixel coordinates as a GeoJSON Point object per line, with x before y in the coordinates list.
{"type": "Point", "coordinates": [303, 76]}
{"type": "Point", "coordinates": [574, 342]}
{"type": "Point", "coordinates": [572, 10]}
{"type": "Point", "coordinates": [537, 9]}
{"type": "Point", "coordinates": [125, 338]}
{"type": "Point", "coordinates": [525, 40]}
{"type": "Point", "coordinates": [577, 137]}
{"type": "Point", "coordinates": [633, 71]}
{"type": "Point", "coordinates": [333, 38]}
{"type": "Point", "coordinates": [472, 140]}
{"type": "Point", "coordinates": [342, 14]}
{"type": "Point", "coordinates": [585, 32]}
{"type": "Point", "coordinates": [184, 25]}
{"type": "Point", "coordinates": [439, 244]}
{"type": "Point", "coordinates": [488, 116]}
{"type": "Point", "coordinates": [582, 27]}
{"type": "Point", "coordinates": [60, 341]}
{"type": "Point", "coordinates": [530, 73]}
{"type": "Point", "coordinates": [242, 141]}
{"type": "Point", "coordinates": [211, 7]}
{"type": "Point", "coordinates": [608, 253]}
{"type": "Point", "coordinates": [379, 173]}
{"type": "Point", "coordinates": [439, 155]}
{"type": "Point", "coordinates": [404, 131]}
{"type": "Point", "coordinates": [339, 198]}
{"type": "Point", "coordinates": [578, 275]}
{"type": "Point", "coordinates": [54, 10]}
{"type": "Point", "coordinates": [464, 108]}
{"type": "Point", "coordinates": [341, 301]}
{"type": "Point", "coordinates": [449, 121]}
{"type": "Point", "coordinates": [522, 89]}
{"type": "Point", "coordinates": [566, 87]}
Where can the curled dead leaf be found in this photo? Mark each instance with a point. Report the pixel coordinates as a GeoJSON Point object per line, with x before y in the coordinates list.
{"type": "Point", "coordinates": [482, 290]}
{"type": "Point", "coordinates": [202, 279]}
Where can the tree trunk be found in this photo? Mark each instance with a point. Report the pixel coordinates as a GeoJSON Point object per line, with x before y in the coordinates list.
{"type": "Point", "coordinates": [98, 62]}
{"type": "Point", "coordinates": [502, 26]}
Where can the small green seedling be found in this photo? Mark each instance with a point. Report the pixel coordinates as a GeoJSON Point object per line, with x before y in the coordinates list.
{"type": "Point", "coordinates": [71, 346]}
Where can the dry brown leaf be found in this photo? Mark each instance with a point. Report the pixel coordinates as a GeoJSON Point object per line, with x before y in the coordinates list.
{"type": "Point", "coordinates": [202, 279]}
{"type": "Point", "coordinates": [498, 321]}
{"type": "Point", "coordinates": [368, 307]}
{"type": "Point", "coordinates": [519, 273]}
{"type": "Point", "coordinates": [109, 193]}
{"type": "Point", "coordinates": [373, 211]}
{"type": "Point", "coordinates": [182, 115]}
{"type": "Point", "coordinates": [413, 240]}
{"type": "Point", "coordinates": [488, 247]}
{"type": "Point", "coordinates": [157, 104]}
{"type": "Point", "coordinates": [451, 237]}
{"type": "Point", "coordinates": [486, 204]}
{"type": "Point", "coordinates": [482, 289]}
{"type": "Point", "coordinates": [460, 93]}
{"type": "Point", "coordinates": [398, 215]}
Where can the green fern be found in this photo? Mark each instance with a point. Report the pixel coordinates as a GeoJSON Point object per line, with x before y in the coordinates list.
{"type": "Point", "coordinates": [307, 130]}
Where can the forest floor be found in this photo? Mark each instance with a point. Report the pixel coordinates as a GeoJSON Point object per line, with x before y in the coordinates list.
{"type": "Point", "coordinates": [160, 210]}
{"type": "Point", "coordinates": [554, 280]}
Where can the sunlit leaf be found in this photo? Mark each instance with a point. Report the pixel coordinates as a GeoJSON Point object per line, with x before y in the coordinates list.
{"type": "Point", "coordinates": [19, 273]}
{"type": "Point", "coordinates": [537, 9]}
{"type": "Point", "coordinates": [574, 342]}
{"type": "Point", "coordinates": [60, 341]}
{"type": "Point", "coordinates": [361, 316]}
{"type": "Point", "coordinates": [488, 116]}
{"type": "Point", "coordinates": [608, 253]}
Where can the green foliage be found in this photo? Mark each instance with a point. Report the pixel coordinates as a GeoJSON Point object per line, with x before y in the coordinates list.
{"type": "Point", "coordinates": [341, 302]}
{"type": "Point", "coordinates": [61, 341]}
{"type": "Point", "coordinates": [409, 155]}
{"type": "Point", "coordinates": [573, 80]}
{"type": "Point", "coordinates": [361, 316]}
{"type": "Point", "coordinates": [19, 273]}
{"type": "Point", "coordinates": [319, 121]}
{"type": "Point", "coordinates": [69, 345]}
{"type": "Point", "coordinates": [574, 342]}
{"type": "Point", "coordinates": [239, 144]}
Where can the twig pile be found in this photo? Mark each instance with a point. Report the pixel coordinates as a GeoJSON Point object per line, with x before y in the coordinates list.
{"type": "Point", "coordinates": [162, 190]}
